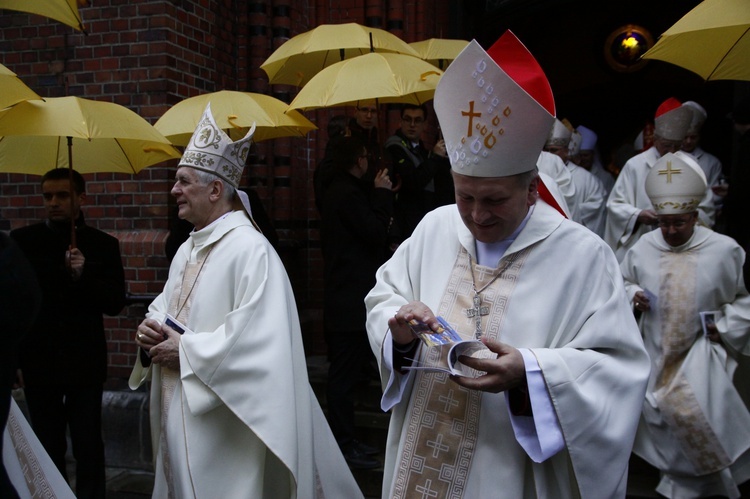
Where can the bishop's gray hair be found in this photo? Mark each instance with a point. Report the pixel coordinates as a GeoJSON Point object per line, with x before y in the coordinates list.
{"type": "Point", "coordinates": [206, 178]}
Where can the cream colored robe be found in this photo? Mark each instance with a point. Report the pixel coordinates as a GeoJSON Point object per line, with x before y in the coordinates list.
{"type": "Point", "coordinates": [569, 308]}
{"type": "Point", "coordinates": [590, 199]}
{"type": "Point", "coordinates": [628, 198]}
{"type": "Point", "coordinates": [243, 421]}
{"type": "Point", "coordinates": [694, 427]}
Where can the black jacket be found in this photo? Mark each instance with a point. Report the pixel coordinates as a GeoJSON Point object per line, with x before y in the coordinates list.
{"type": "Point", "coordinates": [67, 342]}
{"type": "Point", "coordinates": [354, 237]}
{"type": "Point", "coordinates": [425, 183]}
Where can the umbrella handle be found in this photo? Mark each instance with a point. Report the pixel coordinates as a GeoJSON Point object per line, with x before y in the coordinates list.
{"type": "Point", "coordinates": [424, 76]}
{"type": "Point", "coordinates": [72, 193]}
{"type": "Point", "coordinates": [233, 117]}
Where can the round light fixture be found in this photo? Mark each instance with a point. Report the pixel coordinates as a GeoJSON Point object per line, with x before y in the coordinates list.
{"type": "Point", "coordinates": [625, 46]}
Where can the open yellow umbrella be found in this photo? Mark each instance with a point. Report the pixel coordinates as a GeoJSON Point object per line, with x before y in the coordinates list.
{"type": "Point", "coordinates": [387, 78]}
{"type": "Point", "coordinates": [711, 40]}
{"type": "Point", "coordinates": [13, 90]}
{"type": "Point", "coordinates": [439, 51]}
{"type": "Point", "coordinates": [85, 135]}
{"type": "Point", "coordinates": [90, 136]}
{"type": "Point", "coordinates": [65, 11]}
{"type": "Point", "coordinates": [300, 58]}
{"type": "Point", "coordinates": [235, 112]}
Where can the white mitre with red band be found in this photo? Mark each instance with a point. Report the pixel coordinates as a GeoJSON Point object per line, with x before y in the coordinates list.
{"type": "Point", "coordinates": [495, 109]}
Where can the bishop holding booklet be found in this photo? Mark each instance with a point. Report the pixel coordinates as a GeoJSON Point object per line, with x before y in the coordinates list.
{"type": "Point", "coordinates": [555, 414]}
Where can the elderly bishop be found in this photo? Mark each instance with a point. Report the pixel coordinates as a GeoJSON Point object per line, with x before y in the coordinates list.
{"type": "Point", "coordinates": [232, 411]}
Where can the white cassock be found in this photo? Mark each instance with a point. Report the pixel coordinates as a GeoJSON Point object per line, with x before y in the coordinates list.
{"type": "Point", "coordinates": [590, 199]}
{"type": "Point", "coordinates": [239, 419]}
{"type": "Point", "coordinates": [29, 467]}
{"type": "Point", "coordinates": [694, 427]}
{"type": "Point", "coordinates": [606, 178]}
{"type": "Point", "coordinates": [542, 297]}
{"type": "Point", "coordinates": [553, 166]}
{"type": "Point", "coordinates": [628, 198]}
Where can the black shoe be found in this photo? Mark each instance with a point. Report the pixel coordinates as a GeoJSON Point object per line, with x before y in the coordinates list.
{"type": "Point", "coordinates": [365, 449]}
{"type": "Point", "coordinates": [358, 460]}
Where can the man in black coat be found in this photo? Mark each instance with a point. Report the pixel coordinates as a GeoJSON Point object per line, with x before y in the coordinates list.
{"type": "Point", "coordinates": [63, 358]}
{"type": "Point", "coordinates": [354, 225]}
{"type": "Point", "coordinates": [423, 175]}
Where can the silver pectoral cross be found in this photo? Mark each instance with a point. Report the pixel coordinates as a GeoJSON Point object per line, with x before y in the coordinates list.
{"type": "Point", "coordinates": [476, 313]}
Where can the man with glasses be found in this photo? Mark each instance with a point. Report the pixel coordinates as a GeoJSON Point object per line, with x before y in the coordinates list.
{"type": "Point", "coordinates": [686, 282]}
{"type": "Point", "coordinates": [424, 175]}
{"type": "Point", "coordinates": [629, 210]}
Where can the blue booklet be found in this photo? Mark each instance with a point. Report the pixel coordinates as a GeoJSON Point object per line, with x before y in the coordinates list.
{"type": "Point", "coordinates": [443, 347]}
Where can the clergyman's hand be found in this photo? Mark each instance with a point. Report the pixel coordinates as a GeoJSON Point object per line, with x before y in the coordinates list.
{"type": "Point", "coordinates": [149, 334]}
{"type": "Point", "coordinates": [503, 373]}
{"type": "Point", "coordinates": [399, 323]}
{"type": "Point", "coordinates": [641, 301]}
{"type": "Point", "coordinates": [167, 353]}
{"type": "Point", "coordinates": [647, 217]}
{"type": "Point", "coordinates": [713, 333]}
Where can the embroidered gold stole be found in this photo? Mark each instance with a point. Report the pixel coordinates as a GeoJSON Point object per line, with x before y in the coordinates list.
{"type": "Point", "coordinates": [674, 395]}
{"type": "Point", "coordinates": [443, 418]}
{"type": "Point", "coordinates": [179, 305]}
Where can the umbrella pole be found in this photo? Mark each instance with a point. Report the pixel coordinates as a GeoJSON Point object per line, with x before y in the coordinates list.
{"type": "Point", "coordinates": [72, 193]}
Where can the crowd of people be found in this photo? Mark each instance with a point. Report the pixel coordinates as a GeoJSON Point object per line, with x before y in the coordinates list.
{"type": "Point", "coordinates": [611, 315]}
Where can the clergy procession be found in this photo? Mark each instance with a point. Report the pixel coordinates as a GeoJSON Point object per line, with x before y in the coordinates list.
{"type": "Point", "coordinates": [539, 316]}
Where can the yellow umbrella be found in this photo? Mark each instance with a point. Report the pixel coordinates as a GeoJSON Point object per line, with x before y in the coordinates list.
{"type": "Point", "coordinates": [235, 112]}
{"type": "Point", "coordinates": [439, 51]}
{"type": "Point", "coordinates": [65, 11]}
{"type": "Point", "coordinates": [37, 136]}
{"type": "Point", "coordinates": [387, 78]}
{"type": "Point", "coordinates": [90, 136]}
{"type": "Point", "coordinates": [12, 89]}
{"type": "Point", "coordinates": [711, 40]}
{"type": "Point", "coordinates": [300, 58]}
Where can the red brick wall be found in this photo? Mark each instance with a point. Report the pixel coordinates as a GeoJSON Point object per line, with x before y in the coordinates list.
{"type": "Point", "coordinates": [148, 55]}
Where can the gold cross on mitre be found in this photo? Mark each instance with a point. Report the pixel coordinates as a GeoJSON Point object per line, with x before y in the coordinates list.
{"type": "Point", "coordinates": [669, 172]}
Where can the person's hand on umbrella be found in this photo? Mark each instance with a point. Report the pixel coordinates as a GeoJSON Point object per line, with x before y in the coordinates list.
{"type": "Point", "coordinates": [74, 261]}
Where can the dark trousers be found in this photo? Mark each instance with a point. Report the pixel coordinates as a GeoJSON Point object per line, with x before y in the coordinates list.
{"type": "Point", "coordinates": [350, 359]}
{"type": "Point", "coordinates": [79, 407]}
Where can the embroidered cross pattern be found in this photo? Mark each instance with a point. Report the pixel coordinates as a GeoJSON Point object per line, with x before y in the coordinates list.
{"type": "Point", "coordinates": [669, 172]}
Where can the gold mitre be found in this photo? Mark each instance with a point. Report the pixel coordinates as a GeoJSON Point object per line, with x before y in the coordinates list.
{"type": "Point", "coordinates": [495, 109]}
{"type": "Point", "coordinates": [211, 150]}
{"type": "Point", "coordinates": [676, 184]}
